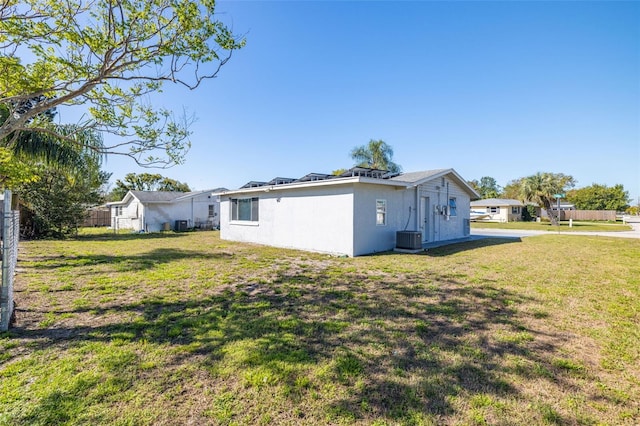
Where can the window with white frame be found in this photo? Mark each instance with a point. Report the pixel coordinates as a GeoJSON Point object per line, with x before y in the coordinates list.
{"type": "Point", "coordinates": [453, 207]}
{"type": "Point", "coordinates": [212, 210]}
{"type": "Point", "coordinates": [244, 209]}
{"type": "Point", "coordinates": [493, 209]}
{"type": "Point", "coordinates": [381, 212]}
{"type": "Point", "coordinates": [515, 210]}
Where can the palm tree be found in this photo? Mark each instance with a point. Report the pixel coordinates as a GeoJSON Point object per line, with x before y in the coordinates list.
{"type": "Point", "coordinates": [377, 154]}
{"type": "Point", "coordinates": [541, 188]}
{"type": "Point", "coordinates": [69, 153]}
{"type": "Point", "coordinates": [66, 146]}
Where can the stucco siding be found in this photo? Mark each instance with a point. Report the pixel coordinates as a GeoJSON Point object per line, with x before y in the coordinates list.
{"type": "Point", "coordinates": [130, 217]}
{"type": "Point", "coordinates": [194, 210]}
{"type": "Point", "coordinates": [343, 217]}
{"type": "Point", "coordinates": [159, 214]}
{"type": "Point", "coordinates": [369, 237]}
{"type": "Point", "coordinates": [319, 219]}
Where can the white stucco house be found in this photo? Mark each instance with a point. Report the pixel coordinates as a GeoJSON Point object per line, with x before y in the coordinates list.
{"type": "Point", "coordinates": [497, 209]}
{"type": "Point", "coordinates": [153, 211]}
{"type": "Point", "coordinates": [356, 213]}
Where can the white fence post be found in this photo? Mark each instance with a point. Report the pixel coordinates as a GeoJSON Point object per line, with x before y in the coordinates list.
{"type": "Point", "coordinates": [10, 238]}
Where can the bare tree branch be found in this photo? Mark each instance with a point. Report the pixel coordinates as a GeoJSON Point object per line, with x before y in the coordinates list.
{"type": "Point", "coordinates": [108, 55]}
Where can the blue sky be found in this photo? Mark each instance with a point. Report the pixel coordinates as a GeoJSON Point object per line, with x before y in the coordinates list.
{"type": "Point", "coordinates": [501, 89]}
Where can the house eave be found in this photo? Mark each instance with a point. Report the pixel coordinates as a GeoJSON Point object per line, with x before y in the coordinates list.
{"type": "Point", "coordinates": [445, 172]}
{"type": "Point", "coordinates": [183, 196]}
{"type": "Point", "coordinates": [317, 184]}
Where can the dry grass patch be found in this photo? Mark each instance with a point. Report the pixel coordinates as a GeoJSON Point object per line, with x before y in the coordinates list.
{"type": "Point", "coordinates": [189, 329]}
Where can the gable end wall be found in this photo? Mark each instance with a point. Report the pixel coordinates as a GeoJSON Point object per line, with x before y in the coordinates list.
{"type": "Point", "coordinates": [441, 229]}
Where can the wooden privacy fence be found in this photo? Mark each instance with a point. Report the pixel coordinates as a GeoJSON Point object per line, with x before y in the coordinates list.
{"type": "Point", "coordinates": [97, 217]}
{"type": "Point", "coordinates": [585, 214]}
{"type": "Point", "coordinates": [589, 215]}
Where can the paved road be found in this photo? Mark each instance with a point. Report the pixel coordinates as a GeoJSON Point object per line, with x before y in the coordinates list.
{"type": "Point", "coordinates": [519, 233]}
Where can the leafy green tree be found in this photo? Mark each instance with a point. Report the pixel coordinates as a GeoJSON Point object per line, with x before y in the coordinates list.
{"type": "Point", "coordinates": [13, 171]}
{"type": "Point", "coordinates": [541, 187]}
{"type": "Point", "coordinates": [56, 204]}
{"type": "Point", "coordinates": [529, 212]}
{"type": "Point", "coordinates": [145, 182]}
{"type": "Point", "coordinates": [512, 190]}
{"type": "Point", "coordinates": [108, 56]}
{"type": "Point", "coordinates": [377, 154]}
{"type": "Point", "coordinates": [22, 158]}
{"type": "Point", "coordinates": [600, 197]}
{"type": "Point", "coordinates": [487, 187]}
{"type": "Point", "coordinates": [54, 179]}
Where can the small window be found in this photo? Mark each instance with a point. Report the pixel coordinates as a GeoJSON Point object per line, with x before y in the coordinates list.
{"type": "Point", "coordinates": [515, 210]}
{"type": "Point", "coordinates": [453, 209]}
{"type": "Point", "coordinates": [212, 210]}
{"type": "Point", "coordinates": [381, 212]}
{"type": "Point", "coordinates": [244, 209]}
{"type": "Point", "coordinates": [493, 209]}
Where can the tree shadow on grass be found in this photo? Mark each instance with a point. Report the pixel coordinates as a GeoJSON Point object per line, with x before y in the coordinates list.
{"type": "Point", "coordinates": [394, 350]}
{"type": "Point", "coordinates": [120, 236]}
{"type": "Point", "coordinates": [127, 263]}
{"type": "Point", "coordinates": [447, 249]}
{"type": "Point", "coordinates": [450, 249]}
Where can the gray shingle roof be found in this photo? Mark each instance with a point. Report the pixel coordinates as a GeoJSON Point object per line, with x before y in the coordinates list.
{"type": "Point", "coordinates": [156, 196]}
{"type": "Point", "coordinates": [417, 176]}
{"type": "Point", "coordinates": [170, 196]}
{"type": "Point", "coordinates": [496, 202]}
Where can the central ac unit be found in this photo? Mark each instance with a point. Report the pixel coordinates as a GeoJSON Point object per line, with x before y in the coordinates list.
{"type": "Point", "coordinates": [409, 240]}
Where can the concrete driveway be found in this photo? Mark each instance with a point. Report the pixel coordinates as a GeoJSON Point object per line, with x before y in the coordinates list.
{"type": "Point", "coordinates": [634, 222]}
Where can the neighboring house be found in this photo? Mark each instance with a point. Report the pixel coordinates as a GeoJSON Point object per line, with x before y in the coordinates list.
{"type": "Point", "coordinates": [564, 207]}
{"type": "Point", "coordinates": [497, 210]}
{"type": "Point", "coordinates": [358, 212]}
{"type": "Point", "coordinates": [153, 211]}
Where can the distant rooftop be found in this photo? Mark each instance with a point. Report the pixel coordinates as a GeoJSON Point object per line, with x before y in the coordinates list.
{"type": "Point", "coordinates": [166, 196]}
{"type": "Point", "coordinates": [496, 202]}
{"type": "Point", "coordinates": [352, 172]}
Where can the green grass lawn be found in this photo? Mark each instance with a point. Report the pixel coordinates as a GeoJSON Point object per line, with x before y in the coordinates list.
{"type": "Point", "coordinates": [564, 226]}
{"type": "Point", "coordinates": [189, 329]}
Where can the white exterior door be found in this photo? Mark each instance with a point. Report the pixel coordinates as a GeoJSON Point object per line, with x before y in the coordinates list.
{"type": "Point", "coordinates": [425, 209]}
